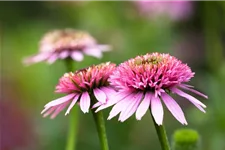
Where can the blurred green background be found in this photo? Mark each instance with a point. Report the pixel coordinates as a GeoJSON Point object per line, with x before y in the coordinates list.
{"type": "Point", "coordinates": [198, 41]}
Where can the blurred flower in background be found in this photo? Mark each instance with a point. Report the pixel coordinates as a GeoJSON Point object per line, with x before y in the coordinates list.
{"type": "Point", "coordinates": [79, 86]}
{"type": "Point", "coordinates": [61, 44]}
{"type": "Point", "coordinates": [174, 10]}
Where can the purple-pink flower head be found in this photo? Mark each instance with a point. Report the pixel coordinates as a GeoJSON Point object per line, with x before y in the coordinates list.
{"type": "Point", "coordinates": [61, 44]}
{"type": "Point", "coordinates": [175, 10]}
{"type": "Point", "coordinates": [146, 82]}
{"type": "Point", "coordinates": [79, 87]}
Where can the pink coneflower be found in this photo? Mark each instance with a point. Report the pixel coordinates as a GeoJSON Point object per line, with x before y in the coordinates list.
{"type": "Point", "coordinates": [145, 82]}
{"type": "Point", "coordinates": [61, 44]}
{"type": "Point", "coordinates": [79, 87]}
{"type": "Point", "coordinates": [175, 10]}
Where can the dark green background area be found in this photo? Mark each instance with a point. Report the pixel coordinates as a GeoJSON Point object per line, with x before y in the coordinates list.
{"type": "Point", "coordinates": [199, 42]}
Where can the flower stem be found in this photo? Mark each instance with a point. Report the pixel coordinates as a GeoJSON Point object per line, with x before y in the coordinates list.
{"type": "Point", "coordinates": [161, 132]}
{"type": "Point", "coordinates": [72, 132]}
{"type": "Point", "coordinates": [73, 116]}
{"type": "Point", "coordinates": [100, 125]}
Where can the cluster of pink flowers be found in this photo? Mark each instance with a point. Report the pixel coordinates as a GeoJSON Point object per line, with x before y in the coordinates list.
{"type": "Point", "coordinates": [136, 85]}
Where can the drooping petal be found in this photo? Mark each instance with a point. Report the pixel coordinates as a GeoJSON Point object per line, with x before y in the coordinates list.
{"type": "Point", "coordinates": [64, 54]}
{"type": "Point", "coordinates": [122, 95]}
{"type": "Point", "coordinates": [58, 110]}
{"type": "Point", "coordinates": [76, 55]}
{"type": "Point", "coordinates": [194, 91]}
{"type": "Point", "coordinates": [199, 107]}
{"type": "Point", "coordinates": [131, 108]}
{"type": "Point", "coordinates": [187, 85]}
{"type": "Point", "coordinates": [96, 105]}
{"type": "Point", "coordinates": [144, 106]}
{"type": "Point", "coordinates": [60, 100]}
{"type": "Point", "coordinates": [45, 109]}
{"type": "Point", "coordinates": [72, 104]}
{"type": "Point", "coordinates": [157, 110]}
{"type": "Point", "coordinates": [52, 58]}
{"type": "Point", "coordinates": [85, 102]}
{"type": "Point", "coordinates": [187, 96]}
{"type": "Point", "coordinates": [120, 106]}
{"type": "Point", "coordinates": [36, 58]}
{"type": "Point", "coordinates": [50, 110]}
{"type": "Point", "coordinates": [109, 92]}
{"type": "Point", "coordinates": [100, 95]}
{"type": "Point", "coordinates": [93, 52]}
{"type": "Point", "coordinates": [174, 108]}
{"type": "Point", "coordinates": [194, 102]}
{"type": "Point", "coordinates": [113, 100]}
{"type": "Point", "coordinates": [108, 104]}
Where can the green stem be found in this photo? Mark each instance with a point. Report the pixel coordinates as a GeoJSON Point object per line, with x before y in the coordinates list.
{"type": "Point", "coordinates": [161, 132]}
{"type": "Point", "coordinates": [73, 116]}
{"type": "Point", "coordinates": [73, 126]}
{"type": "Point", "coordinates": [100, 125]}
{"type": "Point", "coordinates": [69, 65]}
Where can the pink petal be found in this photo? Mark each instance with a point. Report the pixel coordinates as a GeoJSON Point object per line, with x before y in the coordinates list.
{"type": "Point", "coordinates": [45, 109]}
{"type": "Point", "coordinates": [96, 105]}
{"type": "Point", "coordinates": [144, 106]}
{"type": "Point", "coordinates": [131, 108]}
{"type": "Point", "coordinates": [120, 106]}
{"type": "Point", "coordinates": [93, 52]}
{"type": "Point", "coordinates": [60, 100]}
{"type": "Point", "coordinates": [72, 104]}
{"type": "Point", "coordinates": [64, 54]}
{"type": "Point", "coordinates": [58, 110]}
{"type": "Point", "coordinates": [50, 110]}
{"type": "Point", "coordinates": [190, 86]}
{"type": "Point", "coordinates": [122, 95]}
{"type": "Point", "coordinates": [52, 58]}
{"type": "Point", "coordinates": [85, 102]}
{"type": "Point", "coordinates": [113, 100]}
{"type": "Point", "coordinates": [199, 107]}
{"type": "Point", "coordinates": [157, 110]}
{"type": "Point", "coordinates": [78, 56]}
{"type": "Point", "coordinates": [194, 91]}
{"type": "Point", "coordinates": [174, 108]}
{"type": "Point", "coordinates": [108, 91]}
{"type": "Point", "coordinates": [36, 58]}
{"type": "Point", "coordinates": [100, 95]}
{"type": "Point", "coordinates": [187, 96]}
{"type": "Point", "coordinates": [107, 104]}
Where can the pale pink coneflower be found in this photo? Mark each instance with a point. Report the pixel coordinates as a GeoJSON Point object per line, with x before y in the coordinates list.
{"type": "Point", "coordinates": [145, 82]}
{"type": "Point", "coordinates": [61, 44]}
{"type": "Point", "coordinates": [79, 88]}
